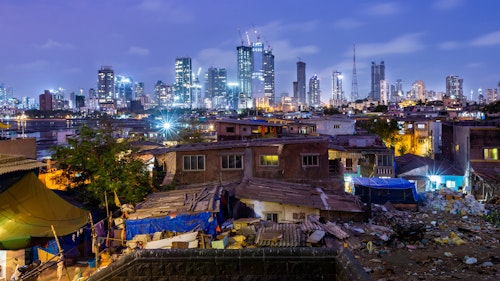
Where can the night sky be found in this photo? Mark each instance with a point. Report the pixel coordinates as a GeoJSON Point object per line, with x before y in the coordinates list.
{"type": "Point", "coordinates": [62, 43]}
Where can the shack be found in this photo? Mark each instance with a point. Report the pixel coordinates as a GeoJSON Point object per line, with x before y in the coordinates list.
{"type": "Point", "coordinates": [381, 190]}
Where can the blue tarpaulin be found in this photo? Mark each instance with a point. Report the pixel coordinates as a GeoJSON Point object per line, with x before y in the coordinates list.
{"type": "Point", "coordinates": [180, 223]}
{"type": "Point", "coordinates": [379, 191]}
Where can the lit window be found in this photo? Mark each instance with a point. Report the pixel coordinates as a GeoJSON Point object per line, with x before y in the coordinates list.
{"type": "Point", "coordinates": [410, 126]}
{"type": "Point", "coordinates": [194, 162]}
{"type": "Point", "coordinates": [310, 160]}
{"type": "Point", "coordinates": [420, 126]}
{"type": "Point", "coordinates": [269, 160]}
{"type": "Point", "coordinates": [490, 153]}
{"type": "Point", "coordinates": [232, 161]}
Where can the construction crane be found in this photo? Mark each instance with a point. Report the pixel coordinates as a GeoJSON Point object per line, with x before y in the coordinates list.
{"type": "Point", "coordinates": [255, 32]}
{"type": "Point", "coordinates": [241, 37]}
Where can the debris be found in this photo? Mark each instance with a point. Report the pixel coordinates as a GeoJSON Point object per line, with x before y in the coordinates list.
{"type": "Point", "coordinates": [470, 260]}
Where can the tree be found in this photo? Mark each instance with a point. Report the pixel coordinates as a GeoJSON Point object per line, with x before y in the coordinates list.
{"type": "Point", "coordinates": [387, 130]}
{"type": "Point", "coordinates": [94, 163]}
{"type": "Point", "coordinates": [331, 111]}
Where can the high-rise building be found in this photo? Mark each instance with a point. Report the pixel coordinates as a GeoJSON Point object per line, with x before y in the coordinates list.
{"type": "Point", "coordinates": [384, 92]}
{"type": "Point", "coordinates": [244, 76]}
{"type": "Point", "coordinates": [216, 86]}
{"type": "Point", "coordinates": [124, 91]}
{"type": "Point", "coordinates": [337, 92]}
{"type": "Point", "coordinates": [491, 95]}
{"type": "Point", "coordinates": [257, 70]}
{"type": "Point", "coordinates": [354, 88]}
{"type": "Point", "coordinates": [45, 101]}
{"type": "Point", "coordinates": [139, 89]}
{"type": "Point", "coordinates": [454, 87]}
{"type": "Point", "coordinates": [314, 91]}
{"type": "Point", "coordinates": [299, 92]}
{"type": "Point", "coordinates": [183, 82]}
{"type": "Point", "coordinates": [418, 91]}
{"type": "Point", "coordinates": [196, 98]}
{"type": "Point", "coordinates": [106, 85]}
{"type": "Point", "coordinates": [233, 91]}
{"type": "Point", "coordinates": [163, 94]}
{"type": "Point", "coordinates": [399, 90]}
{"type": "Point", "coordinates": [378, 74]}
{"type": "Point", "coordinates": [106, 90]}
{"type": "Point", "coordinates": [269, 84]}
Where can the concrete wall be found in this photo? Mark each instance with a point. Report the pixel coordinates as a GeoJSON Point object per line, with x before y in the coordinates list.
{"type": "Point", "coordinates": [260, 264]}
{"type": "Point", "coordinates": [25, 147]}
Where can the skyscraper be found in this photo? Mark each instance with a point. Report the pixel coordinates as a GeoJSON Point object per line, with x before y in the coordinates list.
{"type": "Point", "coordinates": [45, 101]}
{"type": "Point", "coordinates": [384, 92]}
{"type": "Point", "coordinates": [244, 73]}
{"type": "Point", "coordinates": [124, 91]}
{"type": "Point", "coordinates": [314, 91]}
{"type": "Point", "coordinates": [454, 87]}
{"type": "Point", "coordinates": [216, 86]}
{"type": "Point", "coordinates": [183, 82]}
{"type": "Point", "coordinates": [418, 91]}
{"type": "Point", "coordinates": [354, 88]}
{"type": "Point", "coordinates": [105, 86]}
{"type": "Point", "coordinates": [269, 85]}
{"type": "Point", "coordinates": [337, 92]}
{"type": "Point", "coordinates": [257, 70]}
{"type": "Point", "coordinates": [378, 74]}
{"type": "Point", "coordinates": [299, 92]}
{"type": "Point", "coordinates": [163, 94]}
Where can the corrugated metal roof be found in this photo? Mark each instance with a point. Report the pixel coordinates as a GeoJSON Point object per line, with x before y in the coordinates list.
{"type": "Point", "coordinates": [14, 163]}
{"type": "Point", "coordinates": [202, 199]}
{"type": "Point", "coordinates": [297, 194]}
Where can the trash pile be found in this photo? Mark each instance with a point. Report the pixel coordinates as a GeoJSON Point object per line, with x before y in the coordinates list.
{"type": "Point", "coordinates": [450, 236]}
{"type": "Point", "coordinates": [453, 202]}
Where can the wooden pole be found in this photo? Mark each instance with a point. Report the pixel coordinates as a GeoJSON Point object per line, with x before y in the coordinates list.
{"type": "Point", "coordinates": [95, 246]}
{"type": "Point", "coordinates": [60, 250]}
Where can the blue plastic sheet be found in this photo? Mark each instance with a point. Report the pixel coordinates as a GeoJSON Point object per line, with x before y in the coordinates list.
{"type": "Point", "coordinates": [178, 223]}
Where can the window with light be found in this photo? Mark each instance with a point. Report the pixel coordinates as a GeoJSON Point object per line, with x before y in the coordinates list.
{"type": "Point", "coordinates": [269, 160]}
{"type": "Point", "coordinates": [490, 153]}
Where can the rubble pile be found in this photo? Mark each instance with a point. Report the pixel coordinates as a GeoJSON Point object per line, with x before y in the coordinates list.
{"type": "Point", "coordinates": [451, 236]}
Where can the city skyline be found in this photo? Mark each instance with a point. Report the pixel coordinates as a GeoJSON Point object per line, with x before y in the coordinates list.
{"type": "Point", "coordinates": [61, 44]}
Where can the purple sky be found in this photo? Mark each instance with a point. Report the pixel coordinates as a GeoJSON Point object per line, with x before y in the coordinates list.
{"type": "Point", "coordinates": [47, 44]}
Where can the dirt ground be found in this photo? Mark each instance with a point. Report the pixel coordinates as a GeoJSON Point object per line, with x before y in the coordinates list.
{"type": "Point", "coordinates": [446, 247]}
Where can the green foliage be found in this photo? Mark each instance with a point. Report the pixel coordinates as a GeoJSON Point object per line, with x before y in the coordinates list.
{"type": "Point", "coordinates": [492, 107]}
{"type": "Point", "coordinates": [331, 111]}
{"type": "Point", "coordinates": [380, 108]}
{"type": "Point", "coordinates": [95, 164]}
{"type": "Point", "coordinates": [493, 217]}
{"type": "Point", "coordinates": [386, 130]}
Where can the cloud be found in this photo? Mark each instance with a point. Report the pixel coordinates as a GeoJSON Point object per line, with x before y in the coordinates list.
{"type": "Point", "coordinates": [288, 52]}
{"type": "Point", "coordinates": [138, 51]}
{"type": "Point", "coordinates": [405, 44]}
{"type": "Point", "coordinates": [449, 45]}
{"type": "Point", "coordinates": [347, 24]}
{"type": "Point", "coordinates": [447, 4]}
{"type": "Point", "coordinates": [277, 29]}
{"type": "Point", "coordinates": [217, 58]}
{"type": "Point", "coordinates": [29, 66]}
{"type": "Point", "coordinates": [167, 11]}
{"type": "Point", "coordinates": [474, 65]}
{"type": "Point", "coordinates": [384, 9]}
{"type": "Point", "coordinates": [51, 44]}
{"type": "Point", "coordinates": [490, 39]}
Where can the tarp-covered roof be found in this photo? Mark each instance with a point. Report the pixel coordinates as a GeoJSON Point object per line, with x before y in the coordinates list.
{"type": "Point", "coordinates": [29, 209]}
{"type": "Point", "coordinates": [396, 190]}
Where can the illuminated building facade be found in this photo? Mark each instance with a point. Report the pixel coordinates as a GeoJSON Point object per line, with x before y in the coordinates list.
{"type": "Point", "coordinates": [183, 82]}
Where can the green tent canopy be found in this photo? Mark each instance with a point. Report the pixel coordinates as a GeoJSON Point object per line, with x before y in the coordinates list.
{"type": "Point", "coordinates": [28, 209]}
